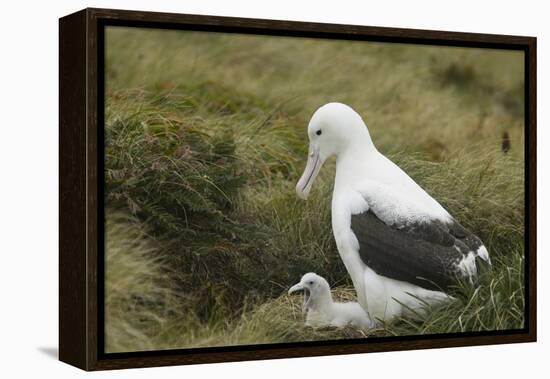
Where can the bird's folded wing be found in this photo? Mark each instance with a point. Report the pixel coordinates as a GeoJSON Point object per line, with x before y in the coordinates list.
{"type": "Point", "coordinates": [431, 254]}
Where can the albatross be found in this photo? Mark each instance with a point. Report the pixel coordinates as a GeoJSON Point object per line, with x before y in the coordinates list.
{"type": "Point", "coordinates": [321, 310]}
{"type": "Point", "coordinates": [401, 248]}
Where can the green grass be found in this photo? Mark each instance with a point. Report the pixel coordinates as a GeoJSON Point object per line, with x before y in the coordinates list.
{"type": "Point", "coordinates": [205, 140]}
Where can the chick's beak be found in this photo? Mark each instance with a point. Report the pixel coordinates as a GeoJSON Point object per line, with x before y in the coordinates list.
{"type": "Point", "coordinates": [296, 288]}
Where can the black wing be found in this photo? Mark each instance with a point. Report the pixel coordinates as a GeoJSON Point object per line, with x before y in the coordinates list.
{"type": "Point", "coordinates": [427, 254]}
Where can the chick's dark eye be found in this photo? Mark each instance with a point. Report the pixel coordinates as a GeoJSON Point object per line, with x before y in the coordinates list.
{"type": "Point", "coordinates": [310, 282]}
{"type": "Point", "coordinates": [318, 132]}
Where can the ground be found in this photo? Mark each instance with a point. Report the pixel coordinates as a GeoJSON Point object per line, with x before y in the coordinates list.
{"type": "Point", "coordinates": [206, 137]}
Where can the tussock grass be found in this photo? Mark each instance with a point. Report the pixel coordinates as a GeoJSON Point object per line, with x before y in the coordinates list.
{"type": "Point", "coordinates": [205, 140]}
{"type": "Point", "coordinates": [495, 303]}
{"type": "Point", "coordinates": [135, 284]}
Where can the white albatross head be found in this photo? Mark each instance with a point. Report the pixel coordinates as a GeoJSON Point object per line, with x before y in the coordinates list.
{"type": "Point", "coordinates": [316, 290]}
{"type": "Point", "coordinates": [334, 129]}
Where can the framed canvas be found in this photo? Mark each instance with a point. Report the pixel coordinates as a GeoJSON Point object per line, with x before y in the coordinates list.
{"type": "Point", "coordinates": [188, 145]}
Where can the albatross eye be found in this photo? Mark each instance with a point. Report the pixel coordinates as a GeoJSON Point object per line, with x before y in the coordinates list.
{"type": "Point", "coordinates": [318, 132]}
{"type": "Point", "coordinates": [310, 282]}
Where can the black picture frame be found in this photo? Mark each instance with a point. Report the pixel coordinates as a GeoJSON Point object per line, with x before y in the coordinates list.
{"type": "Point", "coordinates": [81, 106]}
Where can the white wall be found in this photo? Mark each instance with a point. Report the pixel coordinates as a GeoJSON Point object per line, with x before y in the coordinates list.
{"type": "Point", "coordinates": [28, 200]}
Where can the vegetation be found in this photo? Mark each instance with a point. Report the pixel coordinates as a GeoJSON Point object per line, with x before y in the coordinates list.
{"type": "Point", "coordinates": [205, 140]}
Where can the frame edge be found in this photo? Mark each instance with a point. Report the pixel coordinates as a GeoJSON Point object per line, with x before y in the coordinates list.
{"type": "Point", "coordinates": [72, 180]}
{"type": "Point", "coordinates": [531, 130]}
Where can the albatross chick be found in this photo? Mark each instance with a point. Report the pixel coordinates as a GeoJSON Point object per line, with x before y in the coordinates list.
{"type": "Point", "coordinates": [321, 310]}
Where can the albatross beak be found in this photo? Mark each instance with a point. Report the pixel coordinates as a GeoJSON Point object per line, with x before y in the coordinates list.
{"type": "Point", "coordinates": [314, 163]}
{"type": "Point", "coordinates": [295, 288]}
{"type": "Point", "coordinates": [301, 287]}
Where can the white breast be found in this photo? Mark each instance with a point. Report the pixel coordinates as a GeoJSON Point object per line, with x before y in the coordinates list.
{"type": "Point", "coordinates": [339, 315]}
{"type": "Point", "coordinates": [351, 314]}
